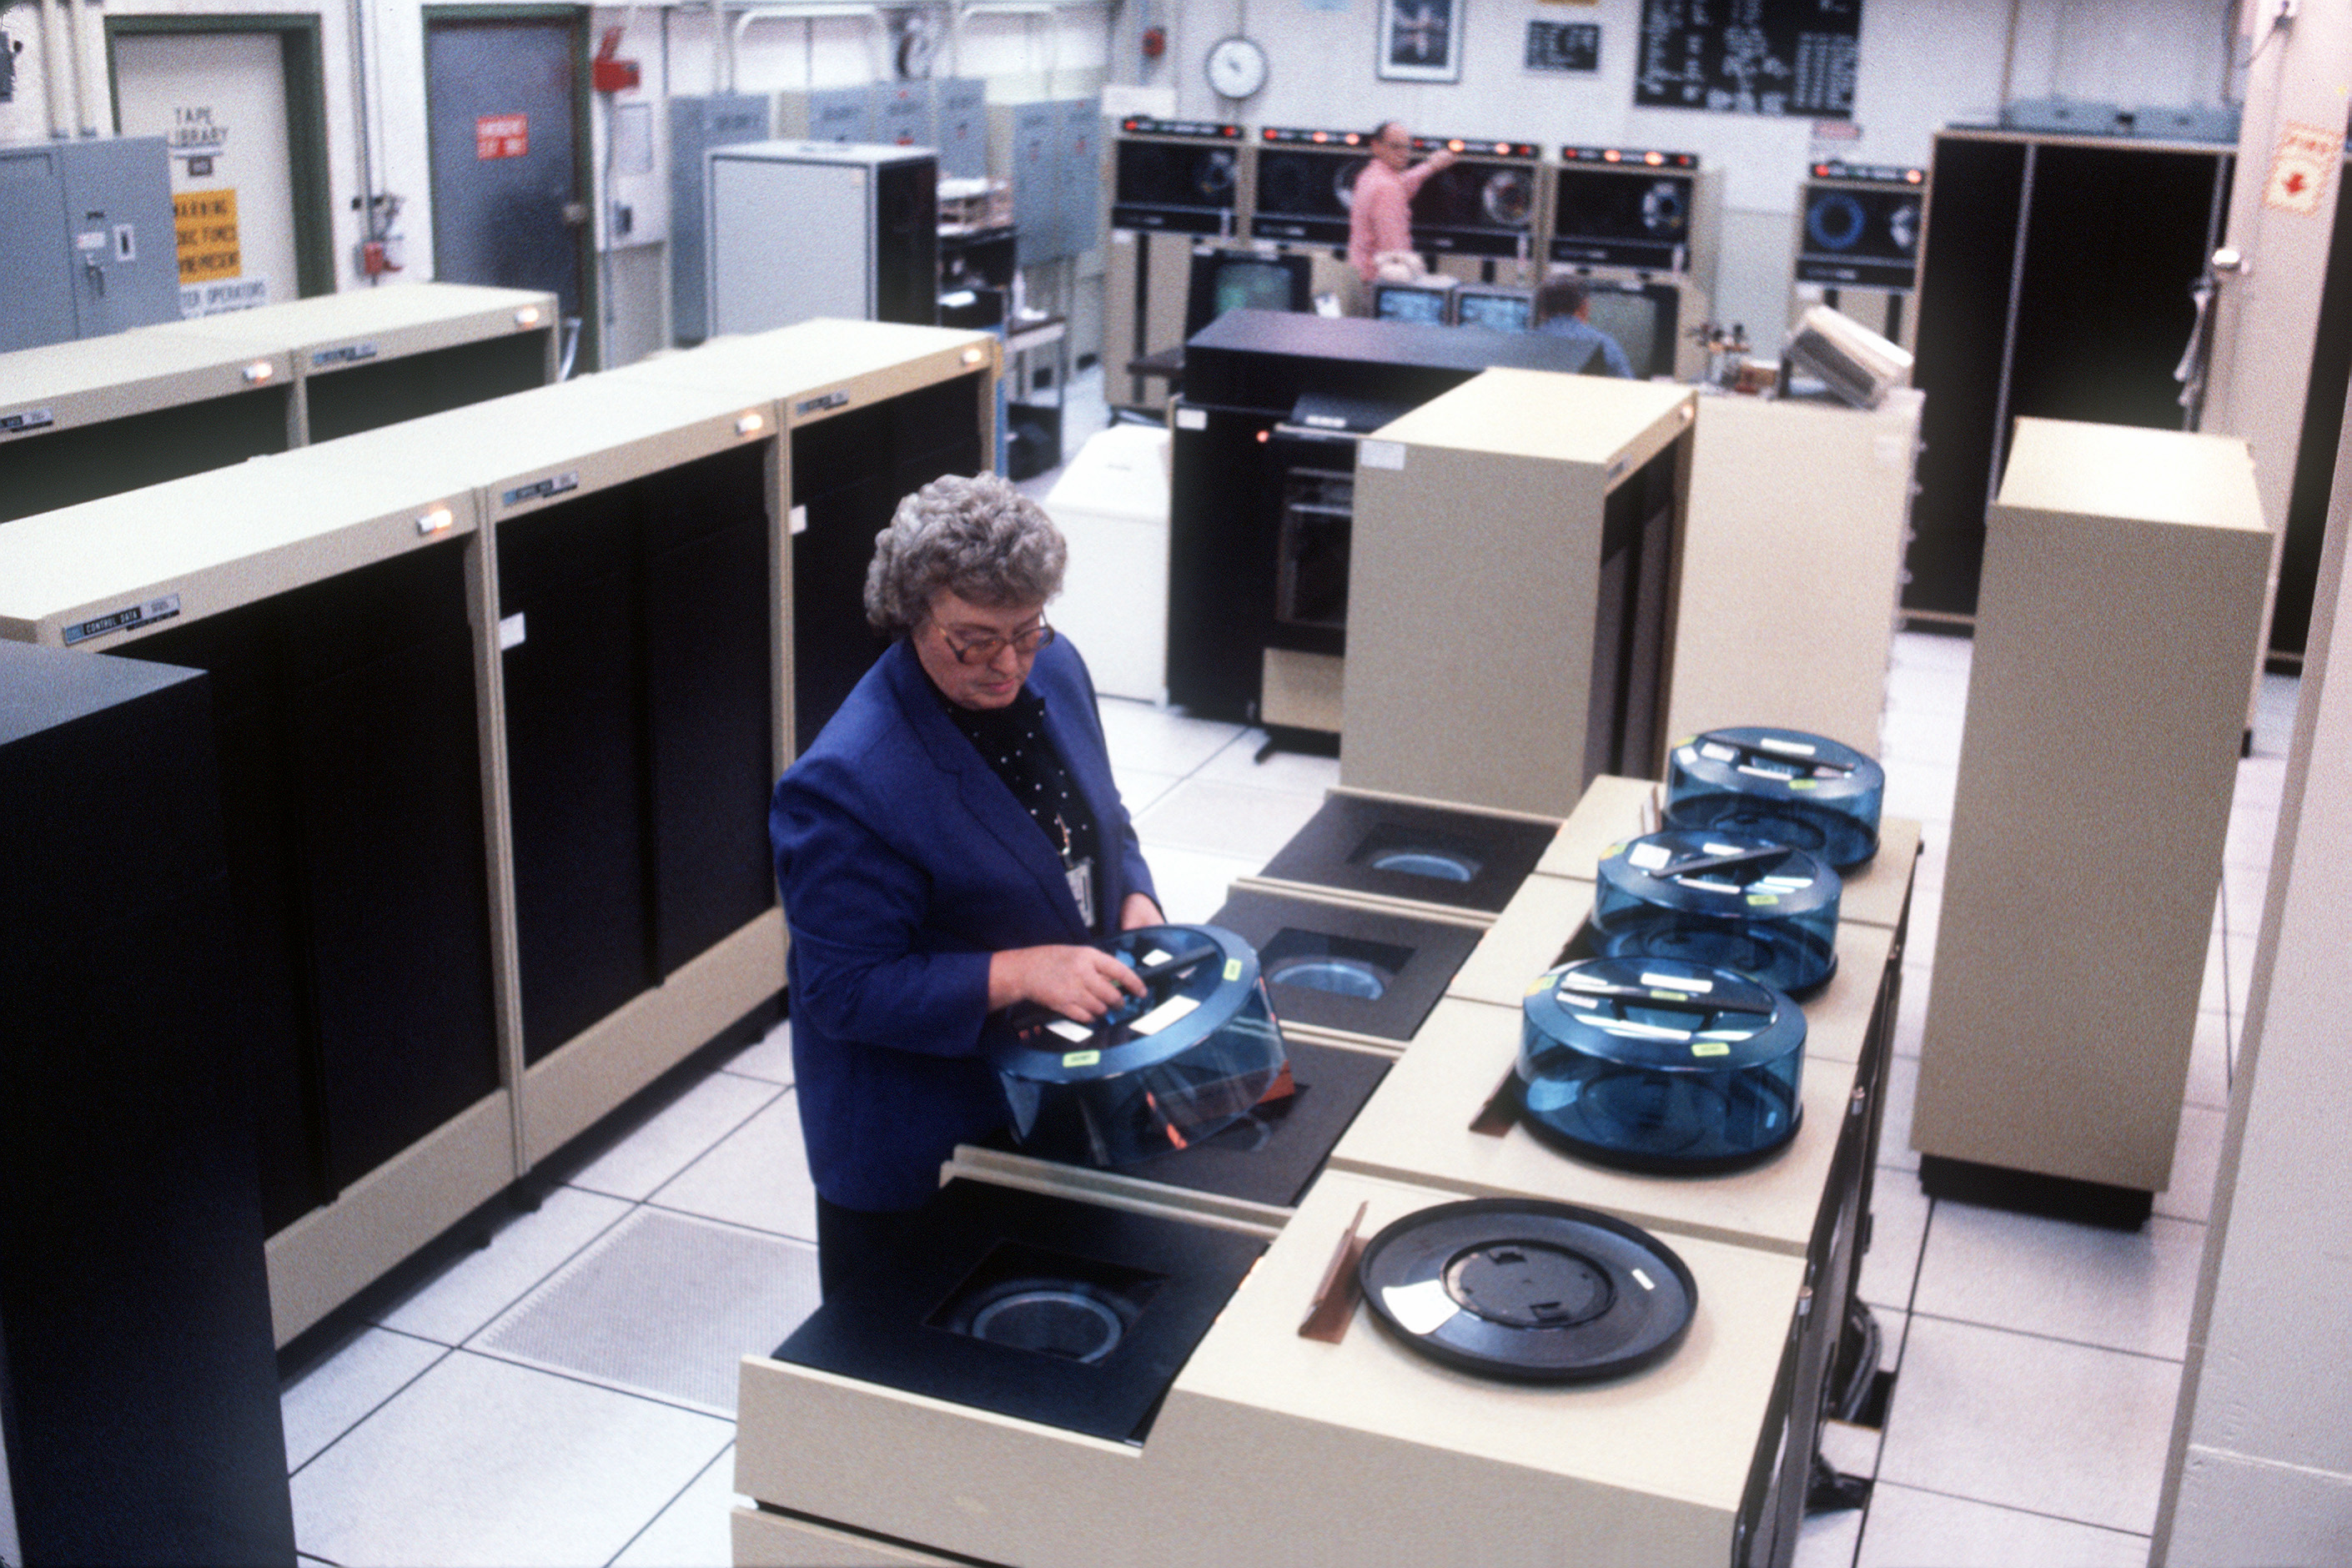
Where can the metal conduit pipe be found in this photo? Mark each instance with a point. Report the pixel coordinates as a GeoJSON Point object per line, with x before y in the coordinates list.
{"type": "Point", "coordinates": [53, 82]}
{"type": "Point", "coordinates": [85, 109]}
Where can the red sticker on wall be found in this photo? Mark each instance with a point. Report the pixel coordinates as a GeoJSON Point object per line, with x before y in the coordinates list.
{"type": "Point", "coordinates": [501, 136]}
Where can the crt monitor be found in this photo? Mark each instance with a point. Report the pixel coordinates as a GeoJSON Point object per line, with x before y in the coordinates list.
{"type": "Point", "coordinates": [1242, 280]}
{"type": "Point", "coordinates": [1643, 318]}
{"type": "Point", "coordinates": [1498, 310]}
{"type": "Point", "coordinates": [1413, 303]}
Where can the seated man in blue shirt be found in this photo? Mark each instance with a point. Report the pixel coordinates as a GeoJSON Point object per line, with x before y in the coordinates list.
{"type": "Point", "coordinates": [1564, 310]}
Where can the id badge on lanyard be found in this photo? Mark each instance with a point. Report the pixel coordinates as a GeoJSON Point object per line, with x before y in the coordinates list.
{"type": "Point", "coordinates": [1081, 873]}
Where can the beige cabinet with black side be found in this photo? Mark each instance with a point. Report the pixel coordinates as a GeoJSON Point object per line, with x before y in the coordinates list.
{"type": "Point", "coordinates": [355, 725]}
{"type": "Point", "coordinates": [2123, 581]}
{"type": "Point", "coordinates": [83, 420]}
{"type": "Point", "coordinates": [1274, 1449]}
{"type": "Point", "coordinates": [1791, 565]}
{"type": "Point", "coordinates": [1510, 589]}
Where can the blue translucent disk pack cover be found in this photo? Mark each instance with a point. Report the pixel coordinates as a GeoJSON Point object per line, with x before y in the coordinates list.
{"type": "Point", "coordinates": [1659, 1065]}
{"type": "Point", "coordinates": [1730, 899]}
{"type": "Point", "coordinates": [1804, 790]}
{"type": "Point", "coordinates": [1161, 1071]}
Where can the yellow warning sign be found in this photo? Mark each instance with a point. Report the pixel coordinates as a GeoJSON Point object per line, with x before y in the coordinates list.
{"type": "Point", "coordinates": [206, 224]}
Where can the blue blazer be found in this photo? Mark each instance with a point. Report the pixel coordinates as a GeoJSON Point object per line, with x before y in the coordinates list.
{"type": "Point", "coordinates": [903, 863]}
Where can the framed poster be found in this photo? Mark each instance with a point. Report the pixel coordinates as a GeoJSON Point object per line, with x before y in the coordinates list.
{"type": "Point", "coordinates": [1750, 57]}
{"type": "Point", "coordinates": [1421, 40]}
{"type": "Point", "coordinates": [1563, 46]}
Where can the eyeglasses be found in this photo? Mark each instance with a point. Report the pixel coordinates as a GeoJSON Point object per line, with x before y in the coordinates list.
{"type": "Point", "coordinates": [983, 649]}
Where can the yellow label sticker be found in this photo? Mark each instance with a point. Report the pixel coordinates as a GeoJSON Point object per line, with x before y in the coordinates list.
{"type": "Point", "coordinates": [204, 223]}
{"type": "Point", "coordinates": [1670, 995]}
{"type": "Point", "coordinates": [1233, 969]}
{"type": "Point", "coordinates": [1763, 898]}
{"type": "Point", "coordinates": [1804, 783]}
{"type": "Point", "coordinates": [1709, 1048]}
{"type": "Point", "coordinates": [1616, 849]}
{"type": "Point", "coordinates": [1537, 984]}
{"type": "Point", "coordinates": [1081, 1059]}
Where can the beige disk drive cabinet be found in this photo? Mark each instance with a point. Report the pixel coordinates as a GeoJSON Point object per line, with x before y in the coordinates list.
{"type": "Point", "coordinates": [1793, 564]}
{"type": "Point", "coordinates": [96, 417]}
{"type": "Point", "coordinates": [1271, 1448]}
{"type": "Point", "coordinates": [333, 604]}
{"type": "Point", "coordinates": [2123, 581]}
{"type": "Point", "coordinates": [1510, 590]}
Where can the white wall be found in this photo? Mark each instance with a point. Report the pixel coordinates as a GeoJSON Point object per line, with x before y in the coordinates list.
{"type": "Point", "coordinates": [2261, 1469]}
{"type": "Point", "coordinates": [1923, 65]}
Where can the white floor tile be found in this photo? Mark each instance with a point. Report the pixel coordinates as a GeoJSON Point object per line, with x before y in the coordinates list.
{"type": "Point", "coordinates": [1294, 771]}
{"type": "Point", "coordinates": [481, 1461]}
{"type": "Point", "coordinates": [2261, 781]}
{"type": "Point", "coordinates": [1828, 1539]}
{"type": "Point", "coordinates": [2196, 1159]}
{"type": "Point", "coordinates": [757, 1177]}
{"type": "Point", "coordinates": [1927, 916]}
{"type": "Point", "coordinates": [675, 1137]}
{"type": "Point", "coordinates": [525, 1249]}
{"type": "Point", "coordinates": [1913, 1528]}
{"type": "Point", "coordinates": [2243, 892]}
{"type": "Point", "coordinates": [2031, 1424]}
{"type": "Point", "coordinates": [693, 1532]}
{"type": "Point", "coordinates": [1157, 740]}
{"type": "Point", "coordinates": [1932, 650]}
{"type": "Point", "coordinates": [1237, 820]}
{"type": "Point", "coordinates": [2238, 954]}
{"type": "Point", "coordinates": [2209, 1062]}
{"type": "Point", "coordinates": [666, 1305]}
{"type": "Point", "coordinates": [770, 1058]}
{"type": "Point", "coordinates": [1898, 1232]}
{"type": "Point", "coordinates": [2275, 714]}
{"type": "Point", "coordinates": [1922, 790]}
{"type": "Point", "coordinates": [1893, 1333]}
{"type": "Point", "coordinates": [332, 1396]}
{"type": "Point", "coordinates": [1895, 1132]}
{"type": "Point", "coordinates": [1192, 886]}
{"type": "Point", "coordinates": [2253, 829]}
{"type": "Point", "coordinates": [1911, 1010]}
{"type": "Point", "coordinates": [1851, 1450]}
{"type": "Point", "coordinates": [1138, 788]}
{"type": "Point", "coordinates": [1919, 735]}
{"type": "Point", "coordinates": [2127, 1290]}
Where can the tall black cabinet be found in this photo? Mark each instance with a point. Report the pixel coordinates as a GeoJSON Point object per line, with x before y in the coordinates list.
{"type": "Point", "coordinates": [849, 471]}
{"type": "Point", "coordinates": [1262, 491]}
{"type": "Point", "coordinates": [2055, 283]}
{"type": "Point", "coordinates": [139, 1415]}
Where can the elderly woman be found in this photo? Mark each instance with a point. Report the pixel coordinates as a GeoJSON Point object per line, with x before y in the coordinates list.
{"type": "Point", "coordinates": [946, 848]}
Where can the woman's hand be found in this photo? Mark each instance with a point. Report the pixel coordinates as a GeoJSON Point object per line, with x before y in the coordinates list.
{"type": "Point", "coordinates": [1138, 911]}
{"type": "Point", "coordinates": [1079, 983]}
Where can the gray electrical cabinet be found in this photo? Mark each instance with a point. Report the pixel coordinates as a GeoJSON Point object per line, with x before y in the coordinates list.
{"type": "Point", "coordinates": [800, 229]}
{"type": "Point", "coordinates": [1079, 131]}
{"type": "Point", "coordinates": [697, 124]}
{"type": "Point", "coordinates": [960, 127]}
{"type": "Point", "coordinates": [87, 244]}
{"type": "Point", "coordinates": [826, 114]}
{"type": "Point", "coordinates": [903, 115]}
{"type": "Point", "coordinates": [1027, 140]}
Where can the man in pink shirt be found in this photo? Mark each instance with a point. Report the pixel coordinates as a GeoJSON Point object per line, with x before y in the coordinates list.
{"type": "Point", "coordinates": [1379, 214]}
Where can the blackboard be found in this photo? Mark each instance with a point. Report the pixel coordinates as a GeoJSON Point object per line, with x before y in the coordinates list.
{"type": "Point", "coordinates": [1750, 57]}
{"type": "Point", "coordinates": [1563, 47]}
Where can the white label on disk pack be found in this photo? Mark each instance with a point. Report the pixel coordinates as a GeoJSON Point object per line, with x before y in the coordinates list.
{"type": "Point", "coordinates": [1422, 1309]}
{"type": "Point", "coordinates": [1076, 1034]}
{"type": "Point", "coordinates": [1648, 856]}
{"type": "Point", "coordinates": [1381, 455]}
{"type": "Point", "coordinates": [511, 631]}
{"type": "Point", "coordinates": [1191, 419]}
{"type": "Point", "coordinates": [1167, 1013]}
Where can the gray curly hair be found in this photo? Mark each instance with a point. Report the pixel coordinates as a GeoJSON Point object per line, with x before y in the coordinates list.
{"type": "Point", "coordinates": [980, 538]}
